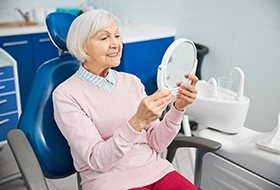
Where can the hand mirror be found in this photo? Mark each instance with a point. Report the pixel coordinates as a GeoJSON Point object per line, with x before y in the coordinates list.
{"type": "Point", "coordinates": [178, 60]}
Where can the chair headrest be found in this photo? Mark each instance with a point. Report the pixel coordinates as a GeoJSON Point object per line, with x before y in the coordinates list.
{"type": "Point", "coordinates": [58, 24]}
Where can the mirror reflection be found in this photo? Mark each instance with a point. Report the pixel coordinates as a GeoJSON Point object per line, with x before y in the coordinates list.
{"type": "Point", "coordinates": [179, 59]}
{"type": "Point", "coordinates": [180, 63]}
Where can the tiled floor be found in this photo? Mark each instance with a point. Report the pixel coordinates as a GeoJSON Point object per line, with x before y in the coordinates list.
{"type": "Point", "coordinates": [8, 167]}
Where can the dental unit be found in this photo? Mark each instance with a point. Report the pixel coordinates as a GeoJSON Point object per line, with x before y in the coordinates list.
{"type": "Point", "coordinates": [245, 160]}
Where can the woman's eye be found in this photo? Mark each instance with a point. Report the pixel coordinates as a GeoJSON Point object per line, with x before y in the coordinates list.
{"type": "Point", "coordinates": [118, 36]}
{"type": "Point", "coordinates": [103, 37]}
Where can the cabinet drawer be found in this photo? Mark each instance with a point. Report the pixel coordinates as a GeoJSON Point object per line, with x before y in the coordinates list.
{"type": "Point", "coordinates": [20, 48]}
{"type": "Point", "coordinates": [8, 103]}
{"type": "Point", "coordinates": [6, 72]}
{"type": "Point", "coordinates": [7, 86]}
{"type": "Point", "coordinates": [7, 123]}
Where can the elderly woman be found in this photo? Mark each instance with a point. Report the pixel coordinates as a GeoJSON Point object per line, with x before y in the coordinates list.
{"type": "Point", "coordinates": [111, 125]}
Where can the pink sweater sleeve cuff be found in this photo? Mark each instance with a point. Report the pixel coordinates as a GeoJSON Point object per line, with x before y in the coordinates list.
{"type": "Point", "coordinates": [128, 134]}
{"type": "Point", "coordinates": [175, 115]}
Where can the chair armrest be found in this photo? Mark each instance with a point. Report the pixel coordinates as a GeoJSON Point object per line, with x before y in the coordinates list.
{"type": "Point", "coordinates": [181, 141]}
{"type": "Point", "coordinates": [202, 145]}
{"type": "Point", "coordinates": [26, 160]}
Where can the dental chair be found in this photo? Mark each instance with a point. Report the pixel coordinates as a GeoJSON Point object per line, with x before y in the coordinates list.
{"type": "Point", "coordinates": [40, 150]}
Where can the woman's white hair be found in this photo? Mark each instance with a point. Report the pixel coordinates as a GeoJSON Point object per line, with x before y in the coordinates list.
{"type": "Point", "coordinates": [83, 28]}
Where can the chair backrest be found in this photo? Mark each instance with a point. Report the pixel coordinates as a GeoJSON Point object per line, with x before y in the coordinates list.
{"type": "Point", "coordinates": [58, 24]}
{"type": "Point", "coordinates": [37, 121]}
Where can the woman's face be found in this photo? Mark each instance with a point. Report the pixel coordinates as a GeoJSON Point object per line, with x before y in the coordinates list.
{"type": "Point", "coordinates": [105, 50]}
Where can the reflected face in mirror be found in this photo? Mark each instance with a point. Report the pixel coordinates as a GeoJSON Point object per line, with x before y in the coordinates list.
{"type": "Point", "coordinates": [178, 60]}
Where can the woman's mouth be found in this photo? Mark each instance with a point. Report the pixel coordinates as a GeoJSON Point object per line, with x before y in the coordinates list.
{"type": "Point", "coordinates": [113, 54]}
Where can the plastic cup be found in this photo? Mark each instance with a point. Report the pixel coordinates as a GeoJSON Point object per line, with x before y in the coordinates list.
{"type": "Point", "coordinates": [39, 15]}
{"type": "Point", "coordinates": [224, 87]}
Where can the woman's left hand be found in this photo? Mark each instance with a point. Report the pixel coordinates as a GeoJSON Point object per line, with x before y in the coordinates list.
{"type": "Point", "coordinates": [186, 93]}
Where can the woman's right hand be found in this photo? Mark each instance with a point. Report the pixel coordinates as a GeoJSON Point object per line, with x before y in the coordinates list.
{"type": "Point", "coordinates": [150, 109]}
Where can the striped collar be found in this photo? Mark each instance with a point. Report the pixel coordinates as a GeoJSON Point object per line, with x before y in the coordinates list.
{"type": "Point", "coordinates": [107, 83]}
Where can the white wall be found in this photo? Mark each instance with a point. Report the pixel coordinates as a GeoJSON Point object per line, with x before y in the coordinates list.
{"type": "Point", "coordinates": [29, 4]}
{"type": "Point", "coordinates": [243, 33]}
{"type": "Point", "coordinates": [7, 7]}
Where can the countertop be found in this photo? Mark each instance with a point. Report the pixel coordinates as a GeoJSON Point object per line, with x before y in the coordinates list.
{"type": "Point", "coordinates": [131, 32]}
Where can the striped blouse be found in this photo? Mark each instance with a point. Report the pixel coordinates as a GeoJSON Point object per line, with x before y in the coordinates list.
{"type": "Point", "coordinates": [107, 83]}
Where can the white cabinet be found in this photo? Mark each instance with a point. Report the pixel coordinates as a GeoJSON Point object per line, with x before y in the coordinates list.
{"type": "Point", "coordinates": [10, 108]}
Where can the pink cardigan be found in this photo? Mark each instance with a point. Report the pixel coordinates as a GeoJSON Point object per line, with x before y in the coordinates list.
{"type": "Point", "coordinates": [107, 151]}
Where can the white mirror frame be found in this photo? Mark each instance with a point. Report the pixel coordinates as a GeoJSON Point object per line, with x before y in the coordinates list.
{"type": "Point", "coordinates": [161, 75]}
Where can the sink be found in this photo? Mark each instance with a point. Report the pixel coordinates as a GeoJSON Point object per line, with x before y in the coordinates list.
{"type": "Point", "coordinates": [223, 112]}
{"type": "Point", "coordinates": [17, 24]}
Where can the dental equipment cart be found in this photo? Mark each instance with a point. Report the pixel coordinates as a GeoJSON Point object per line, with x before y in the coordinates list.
{"type": "Point", "coordinates": [10, 107]}
{"type": "Point", "coordinates": [239, 165]}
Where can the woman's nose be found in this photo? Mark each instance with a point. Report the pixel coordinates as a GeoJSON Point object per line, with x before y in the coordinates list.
{"type": "Point", "coordinates": [114, 43]}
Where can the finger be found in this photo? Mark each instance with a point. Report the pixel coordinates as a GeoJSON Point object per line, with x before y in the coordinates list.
{"type": "Point", "coordinates": [159, 100]}
{"type": "Point", "coordinates": [188, 87]}
{"type": "Point", "coordinates": [164, 101]}
{"type": "Point", "coordinates": [186, 93]}
{"type": "Point", "coordinates": [188, 90]}
{"type": "Point", "coordinates": [160, 94]}
{"type": "Point", "coordinates": [192, 78]}
{"type": "Point", "coordinates": [156, 108]}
